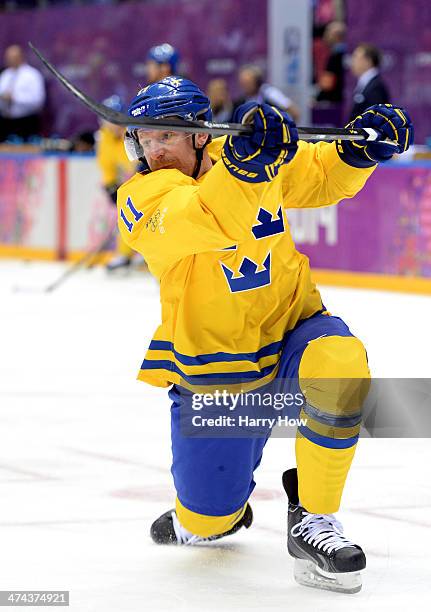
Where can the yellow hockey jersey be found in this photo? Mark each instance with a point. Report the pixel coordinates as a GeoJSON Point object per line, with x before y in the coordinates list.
{"type": "Point", "coordinates": [231, 280]}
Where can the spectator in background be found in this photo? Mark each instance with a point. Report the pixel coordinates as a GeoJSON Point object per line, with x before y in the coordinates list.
{"type": "Point", "coordinates": [370, 88]}
{"type": "Point", "coordinates": [162, 61]}
{"type": "Point", "coordinates": [331, 80]}
{"type": "Point", "coordinates": [254, 89]}
{"type": "Point", "coordinates": [22, 95]}
{"type": "Point", "coordinates": [221, 103]}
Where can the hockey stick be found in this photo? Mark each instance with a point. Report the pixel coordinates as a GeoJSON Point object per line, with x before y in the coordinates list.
{"type": "Point", "coordinates": [203, 127]}
{"type": "Point", "coordinates": [86, 260]}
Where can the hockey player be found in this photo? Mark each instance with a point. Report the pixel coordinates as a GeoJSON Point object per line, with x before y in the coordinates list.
{"type": "Point", "coordinates": [238, 304]}
{"type": "Point", "coordinates": [162, 61]}
{"type": "Point", "coordinates": [115, 168]}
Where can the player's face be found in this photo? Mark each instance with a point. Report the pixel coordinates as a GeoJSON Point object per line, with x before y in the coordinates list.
{"type": "Point", "coordinates": [168, 150]}
{"type": "Point", "coordinates": [154, 72]}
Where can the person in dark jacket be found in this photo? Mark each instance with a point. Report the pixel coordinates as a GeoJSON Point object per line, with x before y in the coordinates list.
{"type": "Point", "coordinates": [331, 80]}
{"type": "Point", "coordinates": [370, 88]}
{"type": "Point", "coordinates": [254, 89]}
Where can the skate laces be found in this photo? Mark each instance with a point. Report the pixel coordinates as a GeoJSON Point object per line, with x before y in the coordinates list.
{"type": "Point", "coordinates": [322, 531]}
{"type": "Point", "coordinates": [183, 536]}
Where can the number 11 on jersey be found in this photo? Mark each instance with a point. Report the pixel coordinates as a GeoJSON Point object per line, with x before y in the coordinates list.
{"type": "Point", "coordinates": [136, 214]}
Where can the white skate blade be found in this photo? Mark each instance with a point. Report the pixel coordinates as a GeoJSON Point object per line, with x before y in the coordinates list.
{"type": "Point", "coordinates": [309, 574]}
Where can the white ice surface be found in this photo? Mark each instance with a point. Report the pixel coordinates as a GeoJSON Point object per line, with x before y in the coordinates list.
{"type": "Point", "coordinates": [85, 458]}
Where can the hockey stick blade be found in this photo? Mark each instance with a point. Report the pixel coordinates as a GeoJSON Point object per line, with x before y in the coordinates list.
{"type": "Point", "coordinates": [179, 125]}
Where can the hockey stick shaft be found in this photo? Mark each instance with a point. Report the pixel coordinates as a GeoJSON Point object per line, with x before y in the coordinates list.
{"type": "Point", "coordinates": [203, 127]}
{"type": "Point", "coordinates": [85, 260]}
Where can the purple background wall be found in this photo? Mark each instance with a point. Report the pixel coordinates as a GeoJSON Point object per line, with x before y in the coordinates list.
{"type": "Point", "coordinates": [385, 229]}
{"type": "Point", "coordinates": [402, 29]}
{"type": "Point", "coordinates": [103, 48]}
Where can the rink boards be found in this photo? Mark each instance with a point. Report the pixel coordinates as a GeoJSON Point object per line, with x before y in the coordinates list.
{"type": "Point", "coordinates": [53, 207]}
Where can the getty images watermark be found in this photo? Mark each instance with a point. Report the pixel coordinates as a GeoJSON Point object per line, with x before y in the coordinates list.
{"type": "Point", "coordinates": [392, 408]}
{"type": "Point", "coordinates": [230, 410]}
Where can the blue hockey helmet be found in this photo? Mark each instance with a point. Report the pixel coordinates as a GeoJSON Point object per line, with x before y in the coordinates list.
{"type": "Point", "coordinates": [164, 54]}
{"type": "Point", "coordinates": [171, 97]}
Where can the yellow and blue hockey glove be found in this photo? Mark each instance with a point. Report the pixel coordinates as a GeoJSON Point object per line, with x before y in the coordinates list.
{"type": "Point", "coordinates": [391, 122]}
{"type": "Point", "coordinates": [274, 142]}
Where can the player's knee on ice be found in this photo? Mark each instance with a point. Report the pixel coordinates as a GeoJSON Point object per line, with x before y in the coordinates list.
{"type": "Point", "coordinates": [205, 525]}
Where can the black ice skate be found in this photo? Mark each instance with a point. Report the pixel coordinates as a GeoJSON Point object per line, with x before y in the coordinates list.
{"type": "Point", "coordinates": [324, 558]}
{"type": "Point", "coordinates": [168, 530]}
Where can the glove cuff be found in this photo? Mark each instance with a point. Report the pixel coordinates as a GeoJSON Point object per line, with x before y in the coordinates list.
{"type": "Point", "coordinates": [353, 156]}
{"type": "Point", "coordinates": [249, 172]}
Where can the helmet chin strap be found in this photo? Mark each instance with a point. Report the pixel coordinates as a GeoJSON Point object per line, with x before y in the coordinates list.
{"type": "Point", "coordinates": [199, 156]}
